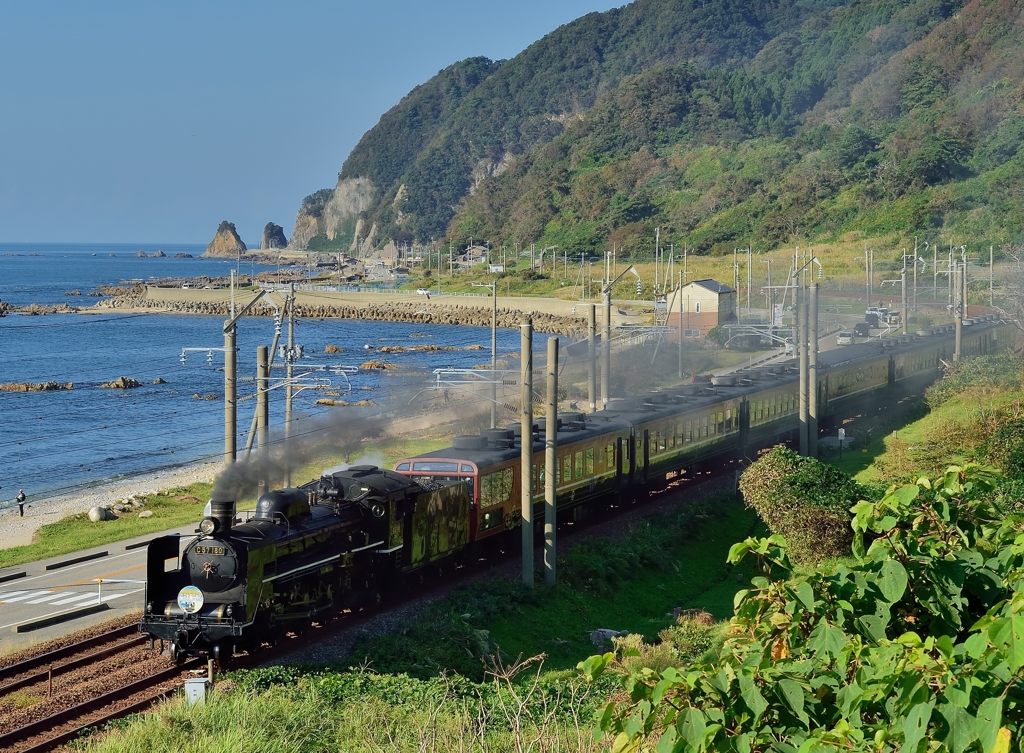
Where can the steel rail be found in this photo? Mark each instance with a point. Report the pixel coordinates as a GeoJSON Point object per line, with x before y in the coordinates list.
{"type": "Point", "coordinates": [73, 664]}
{"type": "Point", "coordinates": [41, 726]}
{"type": "Point", "coordinates": [51, 656]}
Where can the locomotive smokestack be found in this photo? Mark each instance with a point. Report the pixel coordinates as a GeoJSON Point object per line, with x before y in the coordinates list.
{"type": "Point", "coordinates": [223, 511]}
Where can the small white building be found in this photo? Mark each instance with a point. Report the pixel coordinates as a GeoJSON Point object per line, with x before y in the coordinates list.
{"type": "Point", "coordinates": [703, 305]}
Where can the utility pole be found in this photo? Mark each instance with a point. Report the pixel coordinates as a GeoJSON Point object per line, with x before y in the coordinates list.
{"type": "Point", "coordinates": [230, 392]}
{"type": "Point", "coordinates": [592, 356]}
{"type": "Point", "coordinates": [958, 311]}
{"type": "Point", "coordinates": [990, 259]}
{"type": "Point", "coordinates": [903, 289]}
{"type": "Point", "coordinates": [679, 293]}
{"type": "Point", "coordinates": [812, 386]}
{"type": "Point", "coordinates": [606, 347]}
{"type": "Point", "coordinates": [262, 412]}
{"type": "Point", "coordinates": [749, 279]}
{"type": "Point", "coordinates": [963, 263]}
{"type": "Point", "coordinates": [290, 372]}
{"type": "Point", "coordinates": [801, 307]}
{"type": "Point", "coordinates": [526, 445]}
{"type": "Point", "coordinates": [550, 463]}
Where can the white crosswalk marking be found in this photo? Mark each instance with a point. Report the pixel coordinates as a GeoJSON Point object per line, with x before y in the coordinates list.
{"type": "Point", "coordinates": [74, 598]}
{"type": "Point", "coordinates": [10, 593]}
{"type": "Point", "coordinates": [29, 595]}
{"type": "Point", "coordinates": [48, 597]}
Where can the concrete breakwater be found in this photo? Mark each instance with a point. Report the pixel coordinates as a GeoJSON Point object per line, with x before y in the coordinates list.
{"type": "Point", "coordinates": [416, 311]}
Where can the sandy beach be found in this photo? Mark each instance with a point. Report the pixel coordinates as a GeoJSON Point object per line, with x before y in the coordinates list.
{"type": "Point", "coordinates": [17, 531]}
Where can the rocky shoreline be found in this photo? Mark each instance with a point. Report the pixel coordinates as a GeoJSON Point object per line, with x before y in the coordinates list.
{"type": "Point", "coordinates": [412, 312]}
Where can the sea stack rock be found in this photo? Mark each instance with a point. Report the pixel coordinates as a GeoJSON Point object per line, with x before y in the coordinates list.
{"type": "Point", "coordinates": [273, 237]}
{"type": "Point", "coordinates": [226, 242]}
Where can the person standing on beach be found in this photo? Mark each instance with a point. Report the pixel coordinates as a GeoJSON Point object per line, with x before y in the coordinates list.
{"type": "Point", "coordinates": [20, 499]}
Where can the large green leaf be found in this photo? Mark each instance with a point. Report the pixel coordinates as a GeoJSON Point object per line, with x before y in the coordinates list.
{"type": "Point", "coordinates": [1008, 634]}
{"type": "Point", "coordinates": [986, 725]}
{"type": "Point", "coordinates": [961, 727]}
{"type": "Point", "coordinates": [691, 726]}
{"type": "Point", "coordinates": [793, 696]}
{"type": "Point", "coordinates": [752, 697]}
{"type": "Point", "coordinates": [892, 580]}
{"type": "Point", "coordinates": [915, 726]}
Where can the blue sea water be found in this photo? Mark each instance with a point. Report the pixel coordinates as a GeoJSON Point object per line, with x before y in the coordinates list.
{"type": "Point", "coordinates": [54, 442]}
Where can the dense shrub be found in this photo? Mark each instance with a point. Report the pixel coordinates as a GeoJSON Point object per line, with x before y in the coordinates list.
{"type": "Point", "coordinates": [803, 500]}
{"type": "Point", "coordinates": [985, 371]}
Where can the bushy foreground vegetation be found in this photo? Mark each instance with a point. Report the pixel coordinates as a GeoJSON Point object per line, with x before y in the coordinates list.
{"type": "Point", "coordinates": [916, 645]}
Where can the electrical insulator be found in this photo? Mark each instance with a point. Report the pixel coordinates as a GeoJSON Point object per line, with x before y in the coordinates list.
{"type": "Point", "coordinates": [282, 351]}
{"type": "Point", "coordinates": [821, 273]}
{"type": "Point", "coordinates": [302, 349]}
{"type": "Point", "coordinates": [639, 287]}
{"type": "Point", "coordinates": [182, 358]}
{"type": "Point", "coordinates": [209, 357]}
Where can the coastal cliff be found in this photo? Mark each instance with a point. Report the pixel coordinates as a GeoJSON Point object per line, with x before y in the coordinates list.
{"type": "Point", "coordinates": [332, 216]}
{"type": "Point", "coordinates": [273, 237]}
{"type": "Point", "coordinates": [226, 242]}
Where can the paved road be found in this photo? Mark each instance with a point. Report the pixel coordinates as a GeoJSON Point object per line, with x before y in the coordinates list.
{"type": "Point", "coordinates": [41, 592]}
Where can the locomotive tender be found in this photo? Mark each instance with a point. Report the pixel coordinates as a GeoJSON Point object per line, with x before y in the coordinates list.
{"type": "Point", "coordinates": [354, 536]}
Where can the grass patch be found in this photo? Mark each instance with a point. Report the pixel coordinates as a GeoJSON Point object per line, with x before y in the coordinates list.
{"type": "Point", "coordinates": [171, 508]}
{"type": "Point", "coordinates": [671, 562]}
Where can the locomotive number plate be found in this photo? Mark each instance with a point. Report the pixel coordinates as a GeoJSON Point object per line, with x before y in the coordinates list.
{"type": "Point", "coordinates": [209, 550]}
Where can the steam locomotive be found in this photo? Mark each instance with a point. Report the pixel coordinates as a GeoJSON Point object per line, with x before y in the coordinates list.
{"type": "Point", "coordinates": [339, 542]}
{"type": "Point", "coordinates": [353, 536]}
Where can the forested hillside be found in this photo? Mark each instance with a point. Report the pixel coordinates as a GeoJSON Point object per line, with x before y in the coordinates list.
{"type": "Point", "coordinates": [723, 123]}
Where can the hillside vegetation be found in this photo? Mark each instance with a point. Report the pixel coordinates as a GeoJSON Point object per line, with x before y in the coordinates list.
{"type": "Point", "coordinates": [724, 123]}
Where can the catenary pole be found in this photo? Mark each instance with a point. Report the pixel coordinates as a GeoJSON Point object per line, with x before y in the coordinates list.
{"type": "Point", "coordinates": [230, 393]}
{"type": "Point", "coordinates": [288, 394]}
{"type": "Point", "coordinates": [262, 411]}
{"type": "Point", "coordinates": [550, 464]}
{"type": "Point", "coordinates": [606, 351]}
{"type": "Point", "coordinates": [592, 356]}
{"type": "Point", "coordinates": [526, 445]}
{"type": "Point", "coordinates": [812, 376]}
{"type": "Point", "coordinates": [801, 318]}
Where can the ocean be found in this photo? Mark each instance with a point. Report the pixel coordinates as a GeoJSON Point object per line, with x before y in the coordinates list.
{"type": "Point", "coordinates": [59, 441]}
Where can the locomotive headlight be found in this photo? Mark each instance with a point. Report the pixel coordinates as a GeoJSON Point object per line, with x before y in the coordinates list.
{"type": "Point", "coordinates": [229, 611]}
{"type": "Point", "coordinates": [208, 526]}
{"type": "Point", "coordinates": [149, 608]}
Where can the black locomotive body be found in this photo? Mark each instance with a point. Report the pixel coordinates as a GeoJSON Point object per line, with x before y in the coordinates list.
{"type": "Point", "coordinates": [336, 543]}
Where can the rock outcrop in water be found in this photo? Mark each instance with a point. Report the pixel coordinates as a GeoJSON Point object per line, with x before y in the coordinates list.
{"type": "Point", "coordinates": [226, 242]}
{"type": "Point", "coordinates": [273, 237]}
{"type": "Point", "coordinates": [36, 386]}
{"type": "Point", "coordinates": [122, 383]}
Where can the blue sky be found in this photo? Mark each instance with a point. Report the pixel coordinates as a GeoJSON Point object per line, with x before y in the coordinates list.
{"type": "Point", "coordinates": [152, 122]}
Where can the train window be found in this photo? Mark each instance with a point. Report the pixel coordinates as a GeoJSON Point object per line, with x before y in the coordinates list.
{"type": "Point", "coordinates": [578, 465]}
{"type": "Point", "coordinates": [704, 429]}
{"type": "Point", "coordinates": [590, 461]}
{"type": "Point", "coordinates": [539, 483]}
{"type": "Point", "coordinates": [689, 432]}
{"type": "Point", "coordinates": [566, 468]}
{"type": "Point", "coordinates": [671, 437]}
{"type": "Point", "coordinates": [661, 441]}
{"type": "Point", "coordinates": [495, 488]}
{"type": "Point", "coordinates": [432, 467]}
{"type": "Point", "coordinates": [402, 467]}
{"type": "Point", "coordinates": [711, 424]}
{"type": "Point", "coordinates": [490, 520]}
{"type": "Point", "coordinates": [721, 422]}
{"type": "Point", "coordinates": [728, 419]}
{"type": "Point", "coordinates": [467, 468]}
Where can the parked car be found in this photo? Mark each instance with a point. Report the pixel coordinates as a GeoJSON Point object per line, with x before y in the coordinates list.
{"type": "Point", "coordinates": [844, 338]}
{"type": "Point", "coordinates": [422, 291]}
